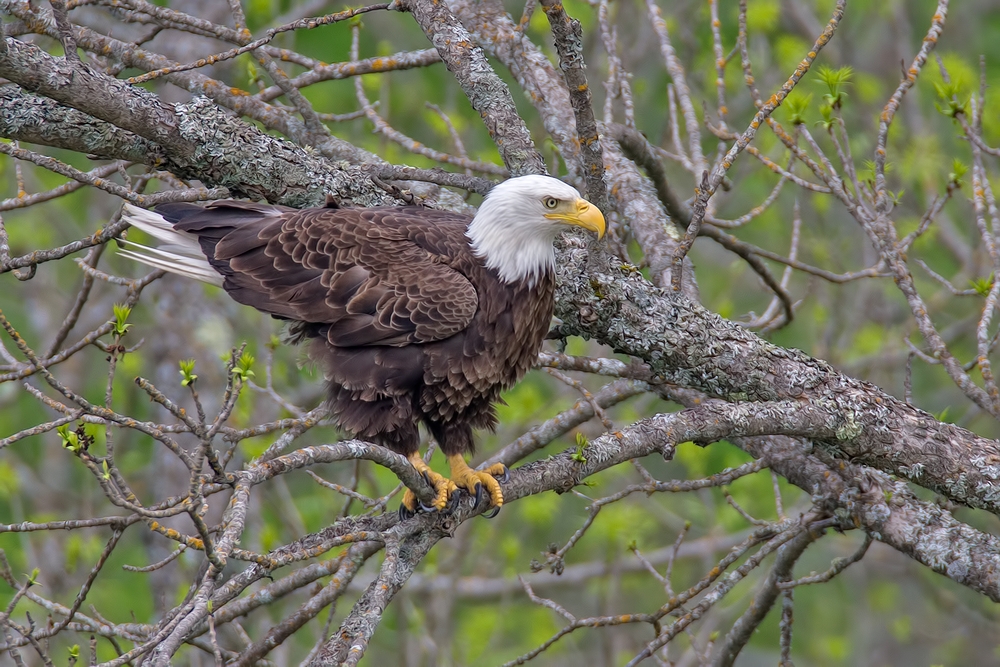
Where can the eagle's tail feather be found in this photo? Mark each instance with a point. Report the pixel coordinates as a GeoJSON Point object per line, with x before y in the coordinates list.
{"type": "Point", "coordinates": [178, 252]}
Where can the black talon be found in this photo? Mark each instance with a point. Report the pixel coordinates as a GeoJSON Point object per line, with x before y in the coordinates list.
{"type": "Point", "coordinates": [453, 501]}
{"type": "Point", "coordinates": [479, 494]}
{"type": "Point", "coordinates": [426, 508]}
{"type": "Point", "coordinates": [491, 515]}
{"type": "Point", "coordinates": [427, 478]}
{"type": "Point", "coordinates": [405, 514]}
{"type": "Point", "coordinates": [506, 476]}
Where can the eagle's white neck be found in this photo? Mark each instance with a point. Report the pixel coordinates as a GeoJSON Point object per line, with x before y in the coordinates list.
{"type": "Point", "coordinates": [512, 233]}
{"type": "Point", "coordinates": [513, 246]}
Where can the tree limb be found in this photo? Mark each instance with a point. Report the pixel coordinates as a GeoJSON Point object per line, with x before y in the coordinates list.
{"type": "Point", "coordinates": [687, 345]}
{"type": "Point", "coordinates": [74, 84]}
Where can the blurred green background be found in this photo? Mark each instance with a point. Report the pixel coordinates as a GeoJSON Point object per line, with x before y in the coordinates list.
{"type": "Point", "coordinates": [886, 610]}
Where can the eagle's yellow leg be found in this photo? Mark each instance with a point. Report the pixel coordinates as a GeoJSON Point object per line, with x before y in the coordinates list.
{"type": "Point", "coordinates": [441, 484]}
{"type": "Point", "coordinates": [467, 478]}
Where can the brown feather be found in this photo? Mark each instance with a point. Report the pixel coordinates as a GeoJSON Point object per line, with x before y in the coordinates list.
{"type": "Point", "coordinates": [408, 323]}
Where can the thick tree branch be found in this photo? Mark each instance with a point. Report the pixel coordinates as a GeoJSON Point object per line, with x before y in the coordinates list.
{"type": "Point", "coordinates": [884, 507]}
{"type": "Point", "coordinates": [39, 120]}
{"type": "Point", "coordinates": [129, 55]}
{"type": "Point", "coordinates": [890, 512]}
{"type": "Point", "coordinates": [228, 152]}
{"type": "Point", "coordinates": [74, 84]}
{"type": "Point", "coordinates": [686, 345]}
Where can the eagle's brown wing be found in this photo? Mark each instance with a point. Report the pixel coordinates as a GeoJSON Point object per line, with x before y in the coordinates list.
{"type": "Point", "coordinates": [375, 276]}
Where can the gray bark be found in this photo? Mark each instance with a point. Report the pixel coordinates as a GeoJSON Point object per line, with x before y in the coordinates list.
{"type": "Point", "coordinates": [685, 344]}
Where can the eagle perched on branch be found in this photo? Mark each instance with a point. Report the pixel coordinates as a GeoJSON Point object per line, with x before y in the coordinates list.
{"type": "Point", "coordinates": [416, 315]}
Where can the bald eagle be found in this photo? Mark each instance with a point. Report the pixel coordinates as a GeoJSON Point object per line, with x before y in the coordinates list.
{"type": "Point", "coordinates": [416, 315]}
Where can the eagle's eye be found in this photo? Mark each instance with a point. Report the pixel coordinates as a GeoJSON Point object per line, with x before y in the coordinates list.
{"type": "Point", "coordinates": [551, 202]}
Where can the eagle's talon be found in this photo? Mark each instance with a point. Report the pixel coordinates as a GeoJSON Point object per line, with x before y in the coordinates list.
{"type": "Point", "coordinates": [427, 508]}
{"type": "Point", "coordinates": [477, 482]}
{"type": "Point", "coordinates": [492, 514]}
{"type": "Point", "coordinates": [499, 471]}
{"type": "Point", "coordinates": [409, 505]}
{"type": "Point", "coordinates": [442, 486]}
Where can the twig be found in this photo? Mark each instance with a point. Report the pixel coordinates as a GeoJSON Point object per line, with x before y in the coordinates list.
{"type": "Point", "coordinates": [386, 130]}
{"type": "Point", "coordinates": [744, 628]}
{"type": "Point", "coordinates": [487, 93]}
{"type": "Point", "coordinates": [709, 184]}
{"type": "Point", "coordinates": [785, 628]}
{"type": "Point", "coordinates": [307, 23]}
{"type": "Point", "coordinates": [836, 567]}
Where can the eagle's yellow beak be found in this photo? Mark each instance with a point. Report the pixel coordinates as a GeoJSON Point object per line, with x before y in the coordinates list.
{"type": "Point", "coordinates": [583, 214]}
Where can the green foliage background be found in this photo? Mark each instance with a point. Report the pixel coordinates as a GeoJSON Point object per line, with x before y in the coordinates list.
{"type": "Point", "coordinates": [884, 611]}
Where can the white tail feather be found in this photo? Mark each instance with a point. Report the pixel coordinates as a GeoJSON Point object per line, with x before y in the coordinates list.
{"type": "Point", "coordinates": [178, 252]}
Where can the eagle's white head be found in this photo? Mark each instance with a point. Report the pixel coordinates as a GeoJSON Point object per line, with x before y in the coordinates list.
{"type": "Point", "coordinates": [520, 218]}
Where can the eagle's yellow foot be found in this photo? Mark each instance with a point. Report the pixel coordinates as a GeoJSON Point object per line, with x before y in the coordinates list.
{"type": "Point", "coordinates": [477, 481]}
{"type": "Point", "coordinates": [443, 486]}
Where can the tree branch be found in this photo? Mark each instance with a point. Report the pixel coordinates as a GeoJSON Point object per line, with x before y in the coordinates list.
{"type": "Point", "coordinates": [745, 626]}
{"type": "Point", "coordinates": [569, 43]}
{"type": "Point", "coordinates": [74, 84]}
{"type": "Point", "coordinates": [686, 345]}
{"type": "Point", "coordinates": [39, 120]}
